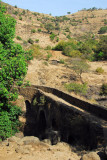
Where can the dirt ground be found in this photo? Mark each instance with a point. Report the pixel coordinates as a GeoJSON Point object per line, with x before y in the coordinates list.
{"type": "Point", "coordinates": [53, 74]}
{"type": "Point", "coordinates": [38, 151]}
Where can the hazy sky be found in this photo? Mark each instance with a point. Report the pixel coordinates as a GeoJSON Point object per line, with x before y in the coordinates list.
{"type": "Point", "coordinates": [57, 7]}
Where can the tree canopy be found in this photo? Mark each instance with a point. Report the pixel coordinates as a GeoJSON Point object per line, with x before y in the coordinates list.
{"type": "Point", "coordinates": [13, 68]}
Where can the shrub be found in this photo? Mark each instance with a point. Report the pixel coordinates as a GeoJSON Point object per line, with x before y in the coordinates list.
{"type": "Point", "coordinates": [23, 12]}
{"type": "Point", "coordinates": [36, 40]}
{"type": "Point", "coordinates": [103, 89]}
{"type": "Point", "coordinates": [36, 51]}
{"type": "Point", "coordinates": [20, 18]}
{"type": "Point", "coordinates": [101, 49]}
{"type": "Point", "coordinates": [77, 88]}
{"type": "Point", "coordinates": [52, 36]}
{"type": "Point", "coordinates": [48, 47]}
{"type": "Point", "coordinates": [80, 66]}
{"type": "Point", "coordinates": [49, 55]}
{"type": "Point", "coordinates": [25, 43]}
{"type": "Point", "coordinates": [61, 61]}
{"type": "Point", "coordinates": [49, 27]}
{"type": "Point", "coordinates": [30, 41]}
{"type": "Point", "coordinates": [57, 39]}
{"type": "Point", "coordinates": [60, 46]}
{"type": "Point", "coordinates": [33, 31]}
{"type": "Point", "coordinates": [99, 70]}
{"type": "Point", "coordinates": [39, 30]}
{"type": "Point", "coordinates": [67, 29]}
{"type": "Point", "coordinates": [15, 6]}
{"type": "Point", "coordinates": [103, 30]}
{"type": "Point", "coordinates": [15, 12]}
{"type": "Point", "coordinates": [68, 36]}
{"type": "Point", "coordinates": [18, 38]}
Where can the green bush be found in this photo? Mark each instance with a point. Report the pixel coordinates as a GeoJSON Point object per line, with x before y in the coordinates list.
{"type": "Point", "coordinates": [49, 27]}
{"type": "Point", "coordinates": [48, 47]}
{"type": "Point", "coordinates": [15, 12]}
{"type": "Point", "coordinates": [15, 6]}
{"type": "Point", "coordinates": [33, 31]}
{"type": "Point", "coordinates": [49, 55]}
{"type": "Point", "coordinates": [52, 36]}
{"type": "Point", "coordinates": [103, 90]}
{"type": "Point", "coordinates": [30, 41]}
{"type": "Point", "coordinates": [77, 88]}
{"type": "Point", "coordinates": [36, 40]}
{"type": "Point", "coordinates": [39, 30]}
{"type": "Point", "coordinates": [60, 46]}
{"type": "Point", "coordinates": [101, 49]}
{"type": "Point", "coordinates": [103, 30]}
{"type": "Point", "coordinates": [20, 18]}
{"type": "Point", "coordinates": [18, 38]}
{"type": "Point", "coordinates": [99, 70]}
{"type": "Point", "coordinates": [61, 61]}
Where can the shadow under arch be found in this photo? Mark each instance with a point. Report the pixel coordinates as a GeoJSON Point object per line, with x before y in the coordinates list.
{"type": "Point", "coordinates": [28, 106]}
{"type": "Point", "coordinates": [42, 124]}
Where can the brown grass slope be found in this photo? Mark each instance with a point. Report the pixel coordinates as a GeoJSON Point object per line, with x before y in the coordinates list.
{"type": "Point", "coordinates": [75, 25]}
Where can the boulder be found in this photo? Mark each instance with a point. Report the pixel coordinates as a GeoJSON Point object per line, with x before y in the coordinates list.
{"type": "Point", "coordinates": [30, 139]}
{"type": "Point", "coordinates": [90, 156]}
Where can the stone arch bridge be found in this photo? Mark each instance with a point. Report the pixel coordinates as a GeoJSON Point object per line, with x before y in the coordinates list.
{"type": "Point", "coordinates": [51, 113]}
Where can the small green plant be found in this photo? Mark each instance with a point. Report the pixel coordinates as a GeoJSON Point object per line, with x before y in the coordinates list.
{"type": "Point", "coordinates": [103, 30]}
{"type": "Point", "coordinates": [49, 55]}
{"type": "Point", "coordinates": [103, 89]}
{"type": "Point", "coordinates": [20, 18]}
{"type": "Point", "coordinates": [23, 12]}
{"type": "Point", "coordinates": [39, 30]}
{"type": "Point", "coordinates": [36, 51]}
{"type": "Point", "coordinates": [68, 36]}
{"type": "Point", "coordinates": [25, 43]}
{"type": "Point", "coordinates": [15, 6]}
{"type": "Point", "coordinates": [52, 36]}
{"type": "Point", "coordinates": [99, 70]}
{"type": "Point", "coordinates": [67, 29]}
{"type": "Point", "coordinates": [57, 39]}
{"type": "Point", "coordinates": [15, 12]}
{"type": "Point", "coordinates": [36, 40]}
{"type": "Point", "coordinates": [46, 63]}
{"type": "Point", "coordinates": [27, 83]}
{"type": "Point", "coordinates": [61, 61]}
{"type": "Point", "coordinates": [33, 30]}
{"type": "Point", "coordinates": [35, 102]}
{"type": "Point", "coordinates": [77, 88]}
{"type": "Point", "coordinates": [48, 47]}
{"type": "Point", "coordinates": [18, 38]}
{"type": "Point", "coordinates": [42, 100]}
{"type": "Point", "coordinates": [30, 41]}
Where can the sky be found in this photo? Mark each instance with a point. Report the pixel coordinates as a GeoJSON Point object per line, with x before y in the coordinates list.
{"type": "Point", "coordinates": [57, 7]}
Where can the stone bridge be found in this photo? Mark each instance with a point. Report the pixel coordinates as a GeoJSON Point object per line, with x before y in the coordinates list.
{"type": "Point", "coordinates": [51, 113]}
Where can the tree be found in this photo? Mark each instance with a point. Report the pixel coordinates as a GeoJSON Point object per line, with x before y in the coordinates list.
{"type": "Point", "coordinates": [101, 50]}
{"type": "Point", "coordinates": [13, 68]}
{"type": "Point", "coordinates": [49, 27]}
{"type": "Point", "coordinates": [68, 12]}
{"type": "Point", "coordinates": [80, 66]}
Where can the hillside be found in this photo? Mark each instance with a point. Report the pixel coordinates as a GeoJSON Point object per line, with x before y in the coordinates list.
{"type": "Point", "coordinates": [31, 28]}
{"type": "Point", "coordinates": [32, 25]}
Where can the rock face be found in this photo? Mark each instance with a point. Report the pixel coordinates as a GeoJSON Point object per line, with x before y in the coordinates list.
{"type": "Point", "coordinates": [90, 156]}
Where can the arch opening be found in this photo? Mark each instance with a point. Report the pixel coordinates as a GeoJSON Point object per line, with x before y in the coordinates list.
{"type": "Point", "coordinates": [28, 106]}
{"type": "Point", "coordinates": [42, 124]}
